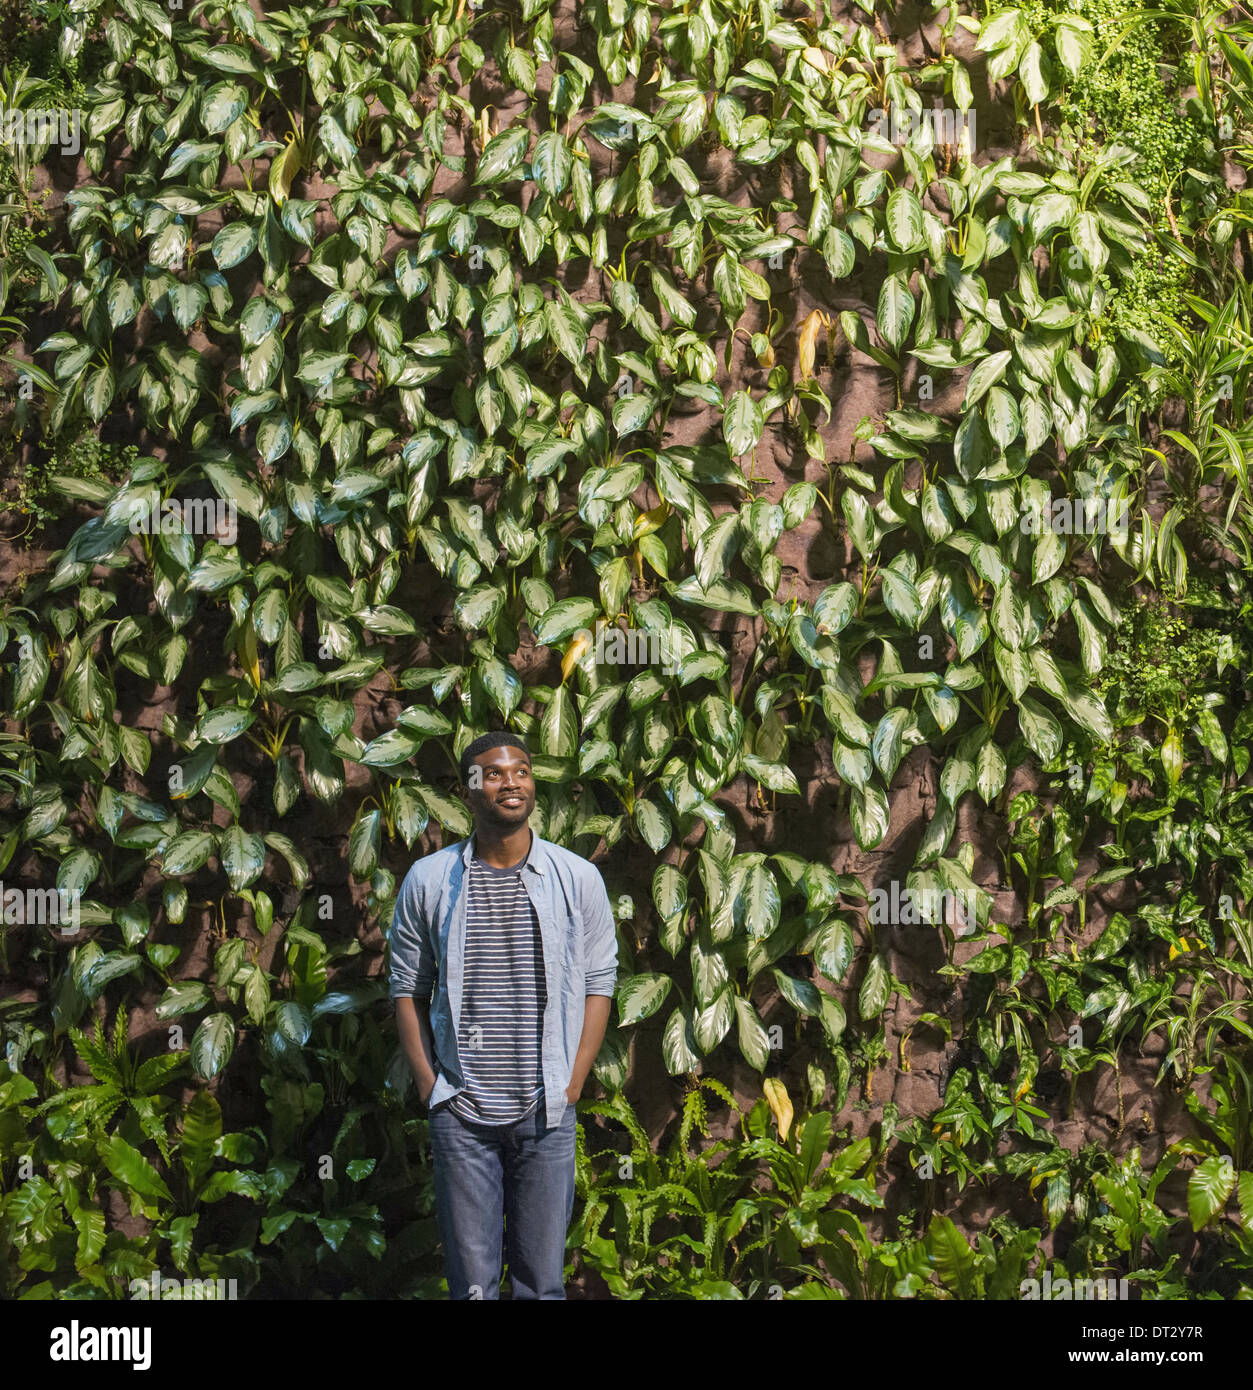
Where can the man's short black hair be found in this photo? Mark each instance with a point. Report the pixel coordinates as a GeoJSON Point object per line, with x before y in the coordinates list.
{"type": "Point", "coordinates": [501, 738]}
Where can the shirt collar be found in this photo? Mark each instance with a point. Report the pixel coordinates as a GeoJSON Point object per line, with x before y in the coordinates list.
{"type": "Point", "coordinates": [532, 860]}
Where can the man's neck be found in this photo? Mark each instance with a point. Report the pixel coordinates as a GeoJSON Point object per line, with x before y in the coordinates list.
{"type": "Point", "coordinates": [503, 851]}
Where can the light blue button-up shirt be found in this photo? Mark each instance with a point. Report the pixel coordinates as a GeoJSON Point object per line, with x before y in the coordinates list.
{"type": "Point", "coordinates": [427, 945]}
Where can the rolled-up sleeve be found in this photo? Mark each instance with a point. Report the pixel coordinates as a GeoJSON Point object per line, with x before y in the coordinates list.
{"type": "Point", "coordinates": [412, 972]}
{"type": "Point", "coordinates": [600, 938]}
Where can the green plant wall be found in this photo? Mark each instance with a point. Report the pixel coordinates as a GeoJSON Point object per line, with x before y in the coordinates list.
{"type": "Point", "coordinates": [493, 325]}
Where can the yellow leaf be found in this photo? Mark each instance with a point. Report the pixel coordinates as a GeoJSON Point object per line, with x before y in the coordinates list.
{"type": "Point", "coordinates": [648, 522]}
{"type": "Point", "coordinates": [780, 1104]}
{"type": "Point", "coordinates": [813, 325]}
{"type": "Point", "coordinates": [575, 652]}
{"type": "Point", "coordinates": [248, 657]}
{"type": "Point", "coordinates": [283, 170]}
{"type": "Point", "coordinates": [816, 59]}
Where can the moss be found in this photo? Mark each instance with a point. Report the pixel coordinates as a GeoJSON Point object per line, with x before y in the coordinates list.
{"type": "Point", "coordinates": [1151, 291]}
{"type": "Point", "coordinates": [30, 32]}
{"type": "Point", "coordinates": [1132, 95]}
{"type": "Point", "coordinates": [1135, 96]}
{"type": "Point", "coordinates": [1161, 663]}
{"type": "Point", "coordinates": [85, 457]}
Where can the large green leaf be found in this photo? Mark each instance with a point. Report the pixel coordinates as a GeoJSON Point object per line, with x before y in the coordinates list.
{"type": "Point", "coordinates": [242, 854]}
{"type": "Point", "coordinates": [711, 1024]}
{"type": "Point", "coordinates": [653, 823]}
{"type": "Point", "coordinates": [742, 423]}
{"type": "Point", "coordinates": [678, 1044]}
{"type": "Point", "coordinates": [872, 998]}
{"type": "Point", "coordinates": [225, 723]}
{"type": "Point", "coordinates": [1209, 1186]}
{"type": "Point", "coordinates": [1040, 728]}
{"type": "Point", "coordinates": [559, 730]}
{"type": "Point", "coordinates": [904, 220]}
{"type": "Point", "coordinates": [753, 1039]}
{"type": "Point", "coordinates": [985, 375]}
{"type": "Point", "coordinates": [503, 155]}
{"type": "Point", "coordinates": [888, 743]}
{"type": "Point", "coordinates": [896, 310]}
{"type": "Point", "coordinates": [132, 1170]}
{"type": "Point", "coordinates": [758, 902]}
{"type": "Point", "coordinates": [551, 163]}
{"type": "Point", "coordinates": [565, 330]}
{"type": "Point", "coordinates": [868, 807]}
{"type": "Point", "coordinates": [364, 843]}
{"type": "Point", "coordinates": [563, 619]}
{"type": "Point", "coordinates": [953, 1258]}
{"type": "Point", "coordinates": [449, 811]}
{"type": "Point", "coordinates": [185, 853]}
{"type": "Point", "coordinates": [202, 1128]}
{"type": "Point", "coordinates": [833, 949]}
{"type": "Point", "coordinates": [212, 1044]}
{"type": "Point", "coordinates": [640, 996]}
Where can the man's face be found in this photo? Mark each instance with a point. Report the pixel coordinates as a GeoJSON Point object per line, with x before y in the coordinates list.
{"type": "Point", "coordinates": [507, 796]}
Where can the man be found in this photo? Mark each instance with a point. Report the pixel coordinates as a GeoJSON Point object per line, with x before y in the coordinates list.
{"type": "Point", "coordinates": [503, 964]}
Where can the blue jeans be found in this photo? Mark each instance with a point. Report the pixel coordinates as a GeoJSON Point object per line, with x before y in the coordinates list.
{"type": "Point", "coordinates": [510, 1185]}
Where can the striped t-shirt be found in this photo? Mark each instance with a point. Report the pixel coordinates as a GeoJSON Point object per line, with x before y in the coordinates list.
{"type": "Point", "coordinates": [502, 1002]}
